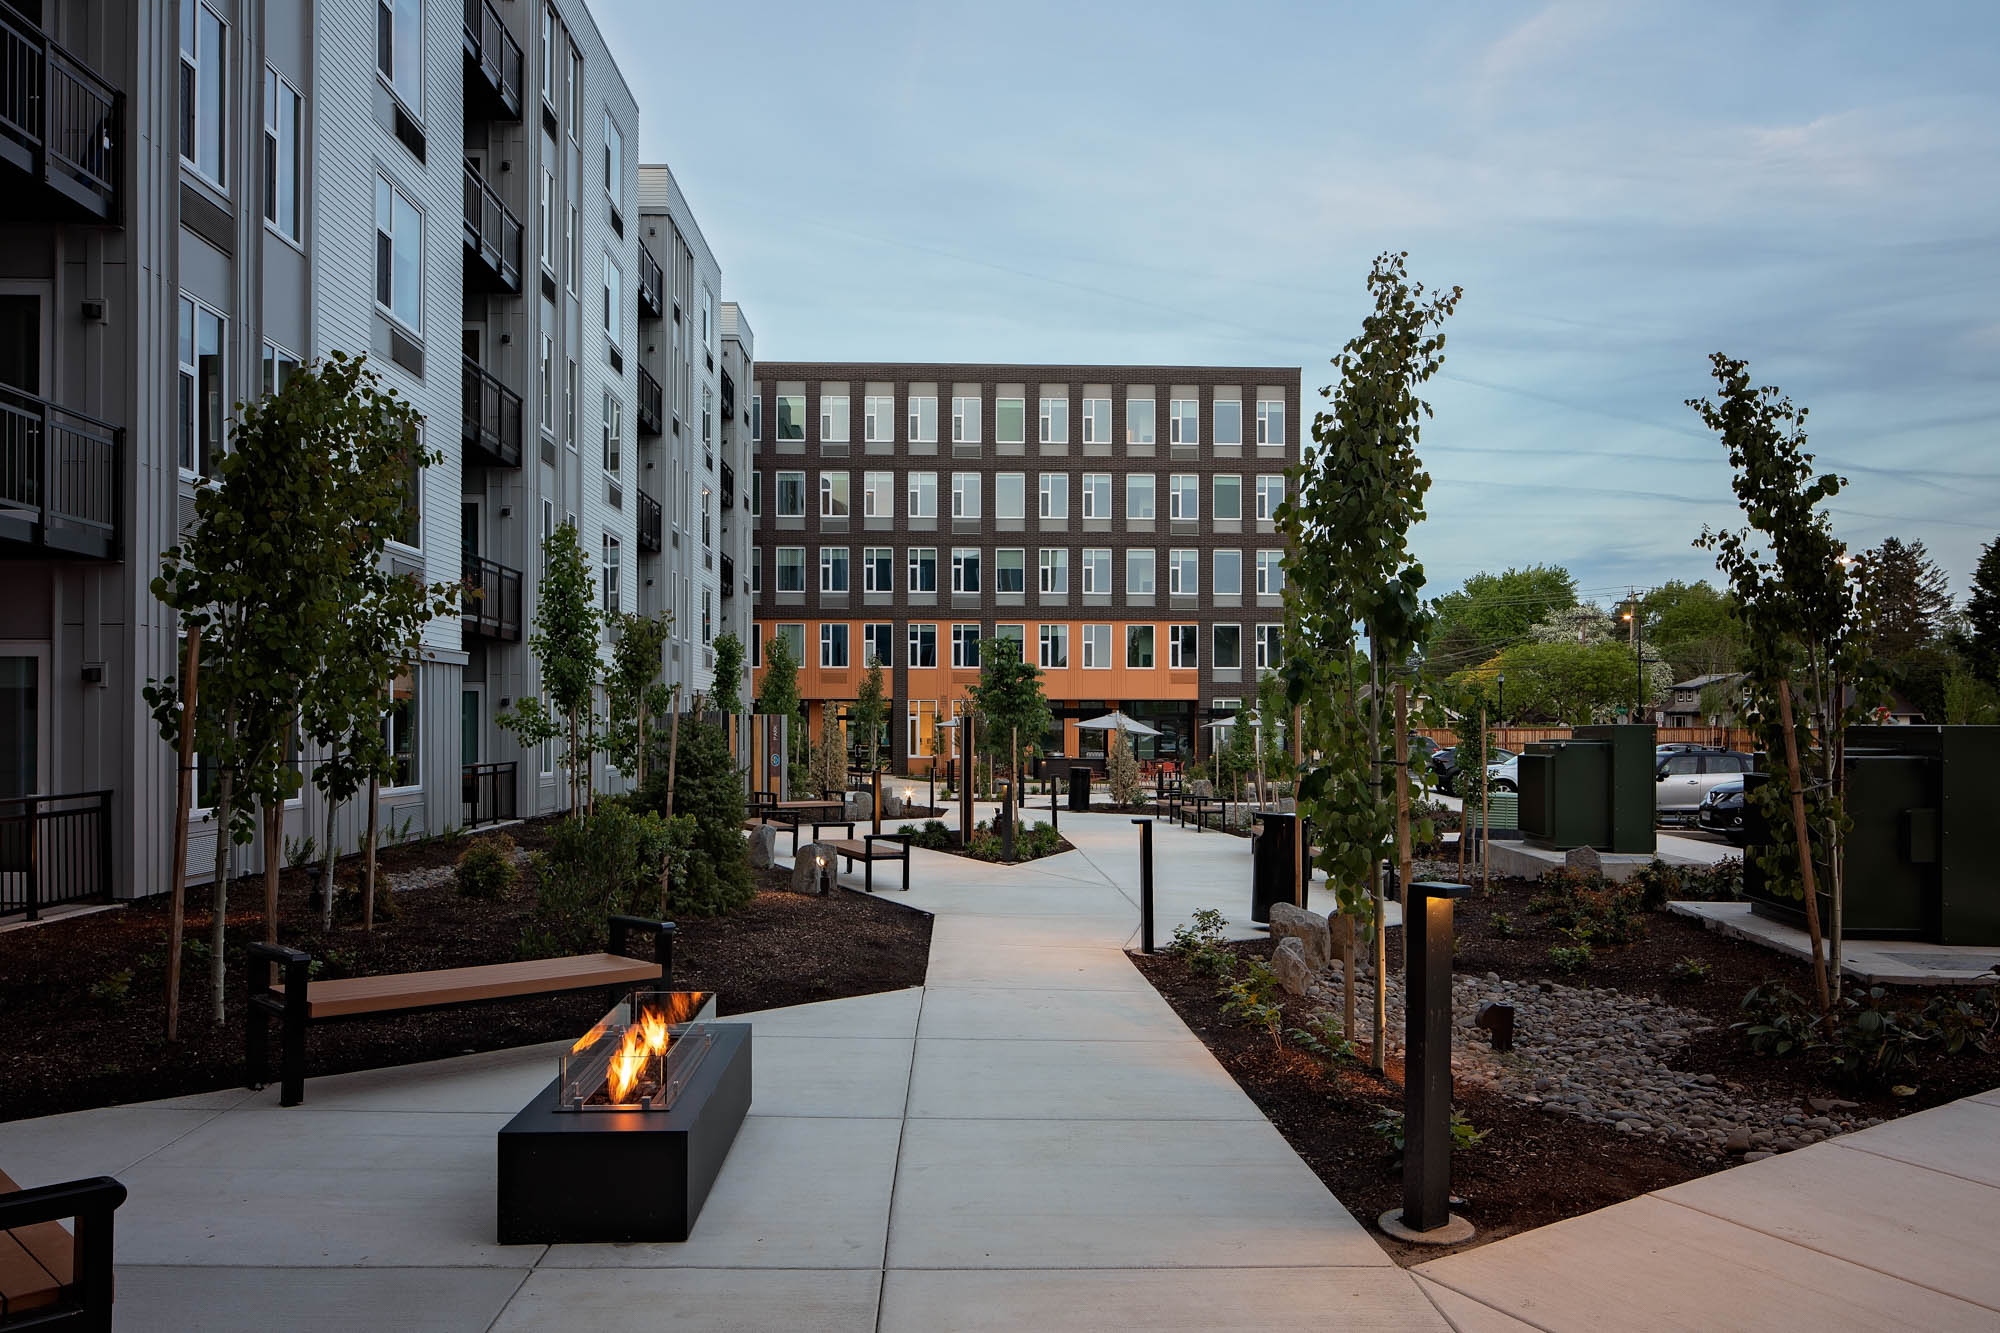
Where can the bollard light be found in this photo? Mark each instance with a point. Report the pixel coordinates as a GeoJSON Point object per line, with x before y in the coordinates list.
{"type": "Point", "coordinates": [1145, 884]}
{"type": "Point", "coordinates": [1426, 1212]}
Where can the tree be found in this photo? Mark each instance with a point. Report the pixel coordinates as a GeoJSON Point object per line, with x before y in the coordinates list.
{"type": "Point", "coordinates": [1982, 615]}
{"type": "Point", "coordinates": [780, 696]}
{"type": "Point", "coordinates": [708, 800]}
{"type": "Point", "coordinates": [628, 687]}
{"type": "Point", "coordinates": [1348, 563]}
{"type": "Point", "coordinates": [724, 693]}
{"type": "Point", "coordinates": [1581, 623]}
{"type": "Point", "coordinates": [1493, 610]}
{"type": "Point", "coordinates": [1908, 596]}
{"type": "Point", "coordinates": [829, 759]}
{"type": "Point", "coordinates": [871, 708]}
{"type": "Point", "coordinates": [1121, 769]}
{"type": "Point", "coordinates": [1559, 682]}
{"type": "Point", "coordinates": [1012, 710]}
{"type": "Point", "coordinates": [567, 621]}
{"type": "Point", "coordinates": [1693, 626]}
{"type": "Point", "coordinates": [1805, 635]}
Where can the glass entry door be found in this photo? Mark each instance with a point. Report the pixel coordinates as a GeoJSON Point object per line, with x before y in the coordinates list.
{"type": "Point", "coordinates": [22, 721]}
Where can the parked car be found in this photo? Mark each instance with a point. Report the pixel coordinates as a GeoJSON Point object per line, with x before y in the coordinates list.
{"type": "Point", "coordinates": [1444, 766]}
{"type": "Point", "coordinates": [1685, 779]}
{"type": "Point", "coordinates": [1665, 748]}
{"type": "Point", "coordinates": [1722, 811]}
{"type": "Point", "coordinates": [1504, 776]}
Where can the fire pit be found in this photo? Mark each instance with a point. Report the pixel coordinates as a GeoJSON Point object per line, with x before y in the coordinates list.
{"type": "Point", "coordinates": [626, 1142]}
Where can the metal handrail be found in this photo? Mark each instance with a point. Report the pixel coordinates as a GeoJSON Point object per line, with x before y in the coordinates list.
{"type": "Point", "coordinates": [491, 603]}
{"type": "Point", "coordinates": [492, 232]}
{"type": "Point", "coordinates": [652, 285]}
{"type": "Point", "coordinates": [652, 402]}
{"type": "Point", "coordinates": [492, 416]}
{"type": "Point", "coordinates": [650, 523]}
{"type": "Point", "coordinates": [62, 468]}
{"type": "Point", "coordinates": [58, 108]}
{"type": "Point", "coordinates": [51, 855]}
{"type": "Point", "coordinates": [494, 50]}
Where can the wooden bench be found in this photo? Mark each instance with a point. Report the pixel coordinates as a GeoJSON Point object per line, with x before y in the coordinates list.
{"type": "Point", "coordinates": [865, 851]}
{"type": "Point", "coordinates": [298, 1002]}
{"type": "Point", "coordinates": [49, 1278]}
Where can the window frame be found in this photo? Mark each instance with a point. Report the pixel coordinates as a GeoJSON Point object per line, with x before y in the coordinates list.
{"type": "Point", "coordinates": [1133, 632]}
{"type": "Point", "coordinates": [1090, 565]}
{"type": "Point", "coordinates": [188, 415]}
{"type": "Point", "coordinates": [1270, 410]}
{"type": "Point", "coordinates": [1019, 486]}
{"type": "Point", "coordinates": [1095, 645]}
{"type": "Point", "coordinates": [1183, 413]}
{"type": "Point", "coordinates": [279, 93]}
{"type": "Point", "coordinates": [922, 641]}
{"type": "Point", "coordinates": [965, 495]}
{"type": "Point", "coordinates": [917, 487]}
{"type": "Point", "coordinates": [1183, 572]}
{"type": "Point", "coordinates": [921, 405]}
{"type": "Point", "coordinates": [835, 566]}
{"type": "Point", "coordinates": [778, 569]}
{"type": "Point", "coordinates": [836, 496]}
{"type": "Point", "coordinates": [1054, 491]}
{"type": "Point", "coordinates": [1003, 410]}
{"type": "Point", "coordinates": [832, 634]}
{"type": "Point", "coordinates": [828, 404]}
{"type": "Point", "coordinates": [914, 564]}
{"type": "Point", "coordinates": [388, 310]}
{"type": "Point", "coordinates": [1053, 633]}
{"type": "Point", "coordinates": [878, 560]}
{"type": "Point", "coordinates": [1053, 567]}
{"type": "Point", "coordinates": [193, 124]}
{"type": "Point", "coordinates": [1184, 497]}
{"type": "Point", "coordinates": [794, 431]}
{"type": "Point", "coordinates": [1019, 569]}
{"type": "Point", "coordinates": [798, 478]}
{"type": "Point", "coordinates": [878, 411]}
{"type": "Point", "coordinates": [1054, 417]}
{"type": "Point", "coordinates": [966, 560]}
{"type": "Point", "coordinates": [1215, 422]}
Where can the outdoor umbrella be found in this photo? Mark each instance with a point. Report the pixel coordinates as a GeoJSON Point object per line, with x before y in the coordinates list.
{"type": "Point", "coordinates": [1117, 721]}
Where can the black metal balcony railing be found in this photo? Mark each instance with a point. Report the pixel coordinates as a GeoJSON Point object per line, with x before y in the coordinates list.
{"type": "Point", "coordinates": [652, 285]}
{"type": "Point", "coordinates": [492, 64]}
{"type": "Point", "coordinates": [491, 607]}
{"type": "Point", "coordinates": [728, 576]}
{"type": "Point", "coordinates": [59, 123]}
{"type": "Point", "coordinates": [54, 850]}
{"type": "Point", "coordinates": [649, 523]}
{"type": "Point", "coordinates": [60, 479]}
{"type": "Point", "coordinates": [652, 403]}
{"type": "Point", "coordinates": [728, 487]}
{"type": "Point", "coordinates": [487, 793]}
{"type": "Point", "coordinates": [492, 237]}
{"type": "Point", "coordinates": [728, 397]}
{"type": "Point", "coordinates": [492, 419]}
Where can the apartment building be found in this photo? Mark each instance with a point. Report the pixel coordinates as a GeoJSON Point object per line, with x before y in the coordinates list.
{"type": "Point", "coordinates": [201, 196]}
{"type": "Point", "coordinates": [1116, 521]}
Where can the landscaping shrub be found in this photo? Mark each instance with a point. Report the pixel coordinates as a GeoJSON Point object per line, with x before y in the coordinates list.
{"type": "Point", "coordinates": [604, 863]}
{"type": "Point", "coordinates": [713, 876]}
{"type": "Point", "coordinates": [1121, 770]}
{"type": "Point", "coordinates": [1030, 842]}
{"type": "Point", "coordinates": [347, 900]}
{"type": "Point", "coordinates": [1691, 969]}
{"type": "Point", "coordinates": [1660, 883]}
{"type": "Point", "coordinates": [935, 835]}
{"type": "Point", "coordinates": [1568, 958]}
{"type": "Point", "coordinates": [1876, 1036]}
{"type": "Point", "coordinates": [1589, 907]}
{"type": "Point", "coordinates": [486, 869]}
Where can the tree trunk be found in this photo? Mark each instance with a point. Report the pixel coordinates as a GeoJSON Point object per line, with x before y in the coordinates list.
{"type": "Point", "coordinates": [326, 864]}
{"type": "Point", "coordinates": [1804, 837]}
{"type": "Point", "coordinates": [183, 803]}
{"type": "Point", "coordinates": [1378, 1056]}
{"type": "Point", "coordinates": [1485, 833]}
{"type": "Point", "coordinates": [225, 797]}
{"type": "Point", "coordinates": [1404, 867]}
{"type": "Point", "coordinates": [1301, 863]}
{"type": "Point", "coordinates": [274, 846]}
{"type": "Point", "coordinates": [368, 852]}
{"type": "Point", "coordinates": [1833, 746]}
{"type": "Point", "coordinates": [673, 766]}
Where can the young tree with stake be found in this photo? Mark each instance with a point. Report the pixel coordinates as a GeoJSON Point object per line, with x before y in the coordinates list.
{"type": "Point", "coordinates": [567, 620]}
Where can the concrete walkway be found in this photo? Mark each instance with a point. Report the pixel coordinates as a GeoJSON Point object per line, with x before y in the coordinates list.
{"type": "Point", "coordinates": [1030, 1140]}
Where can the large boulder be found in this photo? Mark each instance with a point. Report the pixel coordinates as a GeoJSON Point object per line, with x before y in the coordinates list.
{"type": "Point", "coordinates": [1295, 974]}
{"type": "Point", "coordinates": [860, 805]}
{"type": "Point", "coordinates": [892, 805]}
{"type": "Point", "coordinates": [1583, 861]}
{"type": "Point", "coordinates": [813, 869]}
{"type": "Point", "coordinates": [1308, 928]}
{"type": "Point", "coordinates": [1201, 787]}
{"type": "Point", "coordinates": [763, 847]}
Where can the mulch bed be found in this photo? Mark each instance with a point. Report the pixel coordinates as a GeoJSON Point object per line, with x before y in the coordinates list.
{"type": "Point", "coordinates": [1534, 1167]}
{"type": "Point", "coordinates": [82, 999]}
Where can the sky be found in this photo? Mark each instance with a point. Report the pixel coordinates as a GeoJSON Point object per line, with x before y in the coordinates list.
{"type": "Point", "coordinates": [1620, 190]}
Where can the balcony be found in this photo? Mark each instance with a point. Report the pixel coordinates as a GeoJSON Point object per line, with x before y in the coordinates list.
{"type": "Point", "coordinates": [649, 523]}
{"type": "Point", "coordinates": [728, 487]}
{"type": "Point", "coordinates": [492, 238]}
{"type": "Point", "coordinates": [652, 403]}
{"type": "Point", "coordinates": [652, 286]}
{"type": "Point", "coordinates": [728, 397]}
{"type": "Point", "coordinates": [492, 419]}
{"type": "Point", "coordinates": [486, 794]}
{"type": "Point", "coordinates": [61, 478]}
{"type": "Point", "coordinates": [492, 64]}
{"type": "Point", "coordinates": [491, 608]}
{"type": "Point", "coordinates": [54, 851]}
{"type": "Point", "coordinates": [59, 128]}
{"type": "Point", "coordinates": [728, 577]}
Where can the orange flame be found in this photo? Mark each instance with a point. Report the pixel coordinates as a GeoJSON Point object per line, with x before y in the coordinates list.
{"type": "Point", "coordinates": [590, 1038]}
{"type": "Point", "coordinates": [674, 1006]}
{"type": "Point", "coordinates": [627, 1065]}
{"type": "Point", "coordinates": [653, 1024]}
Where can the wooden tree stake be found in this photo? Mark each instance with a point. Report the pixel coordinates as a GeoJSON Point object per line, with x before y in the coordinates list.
{"type": "Point", "coordinates": [1806, 874]}
{"type": "Point", "coordinates": [183, 803]}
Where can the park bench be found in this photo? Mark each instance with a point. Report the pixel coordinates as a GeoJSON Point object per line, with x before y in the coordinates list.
{"type": "Point", "coordinates": [298, 1002]}
{"type": "Point", "coordinates": [864, 850]}
{"type": "Point", "coordinates": [49, 1278]}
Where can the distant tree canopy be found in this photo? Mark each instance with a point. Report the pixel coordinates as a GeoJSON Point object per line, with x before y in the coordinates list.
{"type": "Point", "coordinates": [1494, 610]}
{"type": "Point", "coordinates": [1694, 627]}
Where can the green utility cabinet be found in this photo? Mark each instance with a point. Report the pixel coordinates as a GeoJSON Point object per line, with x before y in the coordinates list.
{"type": "Point", "coordinates": [1923, 800]}
{"type": "Point", "coordinates": [1593, 790]}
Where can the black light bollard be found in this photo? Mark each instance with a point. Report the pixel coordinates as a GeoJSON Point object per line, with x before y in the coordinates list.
{"type": "Point", "coordinates": [1426, 1213]}
{"type": "Point", "coordinates": [1145, 884]}
{"type": "Point", "coordinates": [1055, 820]}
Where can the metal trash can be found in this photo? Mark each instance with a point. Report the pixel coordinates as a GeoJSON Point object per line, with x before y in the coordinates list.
{"type": "Point", "coordinates": [1271, 861]}
{"type": "Point", "coordinates": [1079, 790]}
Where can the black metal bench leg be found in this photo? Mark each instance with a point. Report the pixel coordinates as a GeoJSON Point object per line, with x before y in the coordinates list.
{"type": "Point", "coordinates": [906, 867]}
{"type": "Point", "coordinates": [867, 873]}
{"type": "Point", "coordinates": [292, 1048]}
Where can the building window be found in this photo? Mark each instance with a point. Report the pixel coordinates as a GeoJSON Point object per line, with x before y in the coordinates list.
{"type": "Point", "coordinates": [1097, 495]}
{"type": "Point", "coordinates": [612, 575]}
{"type": "Point", "coordinates": [547, 214]}
{"type": "Point", "coordinates": [1228, 574]}
{"type": "Point", "coordinates": [791, 569]}
{"type": "Point", "coordinates": [1270, 647]}
{"type": "Point", "coordinates": [1055, 421]}
{"type": "Point", "coordinates": [1270, 421]}
{"type": "Point", "coordinates": [878, 422]}
{"type": "Point", "coordinates": [754, 502]}
{"type": "Point", "coordinates": [708, 419]}
{"type": "Point", "coordinates": [878, 644]}
{"type": "Point", "coordinates": [833, 495]}
{"type": "Point", "coordinates": [791, 495]}
{"type": "Point", "coordinates": [1097, 570]}
{"type": "Point", "coordinates": [1055, 495]}
{"type": "Point", "coordinates": [1010, 421]}
{"type": "Point", "coordinates": [922, 720]}
{"type": "Point", "coordinates": [1270, 494]}
{"type": "Point", "coordinates": [549, 29]}
{"type": "Point", "coordinates": [1097, 647]}
{"type": "Point", "coordinates": [279, 367]}
{"type": "Point", "coordinates": [1055, 570]}
{"type": "Point", "coordinates": [1182, 653]}
{"type": "Point", "coordinates": [1184, 496]}
{"type": "Point", "coordinates": [1097, 421]}
{"type": "Point", "coordinates": [204, 76]}
{"type": "Point", "coordinates": [923, 420]}
{"type": "Point", "coordinates": [1010, 566]}
{"type": "Point", "coordinates": [548, 385]}
{"type": "Point", "coordinates": [877, 574]}
{"type": "Point", "coordinates": [833, 418]}
{"type": "Point", "coordinates": [923, 495]}
{"type": "Point", "coordinates": [1055, 647]}
{"type": "Point", "coordinates": [923, 569]}
{"type": "Point", "coordinates": [283, 153]}
{"type": "Point", "coordinates": [965, 495]}
{"type": "Point", "coordinates": [399, 730]}
{"type": "Point", "coordinates": [575, 92]}
{"type": "Point", "coordinates": [1015, 637]}
{"type": "Point", "coordinates": [399, 50]}
{"type": "Point", "coordinates": [1270, 573]}
{"type": "Point", "coordinates": [614, 431]}
{"type": "Point", "coordinates": [1229, 421]}
{"type": "Point", "coordinates": [399, 256]}
{"type": "Point", "coordinates": [203, 403]}
{"type": "Point", "coordinates": [833, 569]}
{"type": "Point", "coordinates": [614, 300]}
{"type": "Point", "coordinates": [1139, 496]}
{"type": "Point", "coordinates": [1139, 423]}
{"type": "Point", "coordinates": [1139, 647]}
{"type": "Point", "coordinates": [756, 648]}
{"type": "Point", "coordinates": [923, 646]}
{"type": "Point", "coordinates": [756, 570]}
{"type": "Point", "coordinates": [832, 644]}
{"type": "Point", "coordinates": [1228, 655]}
{"type": "Point", "coordinates": [1010, 495]}
{"type": "Point", "coordinates": [1228, 498]}
{"type": "Point", "coordinates": [1184, 421]}
{"type": "Point", "coordinates": [795, 639]}
{"type": "Point", "coordinates": [572, 247]}
{"type": "Point", "coordinates": [878, 494]}
{"type": "Point", "coordinates": [965, 420]}
{"type": "Point", "coordinates": [1138, 573]}
{"type": "Point", "coordinates": [1184, 572]}
{"type": "Point", "coordinates": [614, 162]}
{"type": "Point", "coordinates": [570, 397]}
{"type": "Point", "coordinates": [965, 646]}
{"type": "Point", "coordinates": [756, 416]}
{"type": "Point", "coordinates": [965, 569]}
{"type": "Point", "coordinates": [707, 616]}
{"type": "Point", "coordinates": [791, 417]}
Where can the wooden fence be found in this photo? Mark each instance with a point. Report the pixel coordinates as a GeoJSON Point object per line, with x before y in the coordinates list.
{"type": "Point", "coordinates": [1515, 738]}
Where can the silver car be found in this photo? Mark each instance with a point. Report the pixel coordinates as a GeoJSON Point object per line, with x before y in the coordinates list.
{"type": "Point", "coordinates": [1686, 779]}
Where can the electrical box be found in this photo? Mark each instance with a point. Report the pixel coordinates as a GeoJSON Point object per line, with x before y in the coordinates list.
{"type": "Point", "coordinates": [1593, 790]}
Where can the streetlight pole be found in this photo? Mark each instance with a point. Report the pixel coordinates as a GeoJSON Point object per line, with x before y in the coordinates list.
{"type": "Point", "coordinates": [1638, 660]}
{"type": "Point", "coordinates": [1502, 719]}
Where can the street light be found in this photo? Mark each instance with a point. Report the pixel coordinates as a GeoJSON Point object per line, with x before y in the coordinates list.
{"type": "Point", "coordinates": [1638, 661]}
{"type": "Point", "coordinates": [1502, 719]}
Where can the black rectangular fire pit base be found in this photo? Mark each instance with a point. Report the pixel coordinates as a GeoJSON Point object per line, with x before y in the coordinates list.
{"type": "Point", "coordinates": [574, 1177]}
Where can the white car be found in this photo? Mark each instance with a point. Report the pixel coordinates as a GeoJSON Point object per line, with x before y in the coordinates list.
{"type": "Point", "coordinates": [1505, 775]}
{"type": "Point", "coordinates": [1686, 779]}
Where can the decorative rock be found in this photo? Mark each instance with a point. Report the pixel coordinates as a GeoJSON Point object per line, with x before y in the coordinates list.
{"type": "Point", "coordinates": [860, 805]}
{"type": "Point", "coordinates": [1825, 1104]}
{"type": "Point", "coordinates": [892, 805]}
{"type": "Point", "coordinates": [1308, 928]}
{"type": "Point", "coordinates": [812, 869]}
{"type": "Point", "coordinates": [1201, 787]}
{"type": "Point", "coordinates": [1757, 1156]}
{"type": "Point", "coordinates": [1289, 962]}
{"type": "Point", "coordinates": [1739, 1140]}
{"type": "Point", "coordinates": [1584, 860]}
{"type": "Point", "coordinates": [763, 847]}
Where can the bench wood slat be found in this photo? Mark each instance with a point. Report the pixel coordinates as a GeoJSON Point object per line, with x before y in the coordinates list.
{"type": "Point", "coordinates": [860, 852]}
{"type": "Point", "coordinates": [24, 1283]}
{"type": "Point", "coordinates": [460, 985]}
